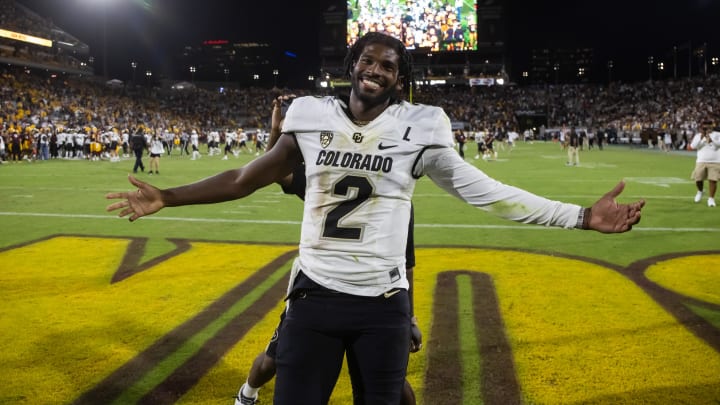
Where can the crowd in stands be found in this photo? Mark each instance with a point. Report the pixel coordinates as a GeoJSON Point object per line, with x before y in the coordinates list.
{"type": "Point", "coordinates": [628, 110]}
{"type": "Point", "coordinates": [38, 108]}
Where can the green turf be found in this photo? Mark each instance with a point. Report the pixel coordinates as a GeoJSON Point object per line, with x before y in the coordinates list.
{"type": "Point", "coordinates": [709, 315]}
{"type": "Point", "coordinates": [67, 197]}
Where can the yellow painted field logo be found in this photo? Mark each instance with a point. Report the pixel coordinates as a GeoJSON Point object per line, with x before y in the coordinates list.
{"type": "Point", "coordinates": [85, 321]}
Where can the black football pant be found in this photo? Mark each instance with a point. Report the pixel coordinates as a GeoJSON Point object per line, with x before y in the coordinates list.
{"type": "Point", "coordinates": [323, 326]}
{"type": "Point", "coordinates": [138, 160]}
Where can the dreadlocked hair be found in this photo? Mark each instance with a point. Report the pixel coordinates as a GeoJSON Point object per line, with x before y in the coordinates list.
{"type": "Point", "coordinates": [405, 68]}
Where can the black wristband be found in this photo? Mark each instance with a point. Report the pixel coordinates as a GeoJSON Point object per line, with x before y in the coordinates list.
{"type": "Point", "coordinates": [583, 219]}
{"type": "Point", "coordinates": [587, 213]}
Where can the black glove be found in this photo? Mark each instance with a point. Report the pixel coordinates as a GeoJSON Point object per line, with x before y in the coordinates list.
{"type": "Point", "coordinates": [415, 336]}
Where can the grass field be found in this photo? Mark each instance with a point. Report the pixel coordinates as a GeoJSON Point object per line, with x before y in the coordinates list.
{"type": "Point", "coordinates": [586, 318]}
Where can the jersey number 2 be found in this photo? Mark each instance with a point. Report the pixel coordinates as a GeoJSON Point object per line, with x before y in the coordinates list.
{"type": "Point", "coordinates": [364, 188]}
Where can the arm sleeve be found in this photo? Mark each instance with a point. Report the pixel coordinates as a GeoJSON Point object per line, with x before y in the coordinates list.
{"type": "Point", "coordinates": [446, 169]}
{"type": "Point", "coordinates": [304, 114]}
{"type": "Point", "coordinates": [715, 139]}
{"type": "Point", "coordinates": [697, 142]}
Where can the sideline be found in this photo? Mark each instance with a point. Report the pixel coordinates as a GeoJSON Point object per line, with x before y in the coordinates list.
{"type": "Point", "coordinates": [256, 221]}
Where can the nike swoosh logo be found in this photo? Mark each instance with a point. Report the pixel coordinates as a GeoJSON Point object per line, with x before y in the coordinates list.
{"type": "Point", "coordinates": [383, 147]}
{"type": "Point", "coordinates": [393, 292]}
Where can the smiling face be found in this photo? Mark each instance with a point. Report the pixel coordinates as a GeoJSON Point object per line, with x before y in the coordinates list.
{"type": "Point", "coordinates": [375, 75]}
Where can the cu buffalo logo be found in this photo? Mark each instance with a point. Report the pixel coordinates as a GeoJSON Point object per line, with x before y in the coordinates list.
{"type": "Point", "coordinates": [325, 139]}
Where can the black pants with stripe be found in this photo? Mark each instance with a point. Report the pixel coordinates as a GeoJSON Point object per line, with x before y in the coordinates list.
{"type": "Point", "coordinates": [323, 326]}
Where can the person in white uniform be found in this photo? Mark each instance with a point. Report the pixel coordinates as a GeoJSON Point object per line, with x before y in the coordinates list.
{"type": "Point", "coordinates": [707, 163]}
{"type": "Point", "coordinates": [195, 142]}
{"type": "Point", "coordinates": [363, 156]}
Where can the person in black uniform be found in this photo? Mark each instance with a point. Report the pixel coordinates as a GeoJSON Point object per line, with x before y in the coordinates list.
{"type": "Point", "coordinates": [138, 145]}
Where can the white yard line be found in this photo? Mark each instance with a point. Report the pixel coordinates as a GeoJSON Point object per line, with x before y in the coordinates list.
{"type": "Point", "coordinates": [153, 218]}
{"type": "Point", "coordinates": [257, 221]}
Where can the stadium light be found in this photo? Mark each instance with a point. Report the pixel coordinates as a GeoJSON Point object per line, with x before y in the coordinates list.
{"type": "Point", "coordinates": [651, 60]}
{"type": "Point", "coordinates": [104, 6]}
{"type": "Point", "coordinates": [192, 74]}
{"type": "Point", "coordinates": [104, 38]}
{"type": "Point", "coordinates": [227, 73]}
{"type": "Point", "coordinates": [275, 75]}
{"type": "Point", "coordinates": [610, 68]}
{"type": "Point", "coordinates": [133, 65]}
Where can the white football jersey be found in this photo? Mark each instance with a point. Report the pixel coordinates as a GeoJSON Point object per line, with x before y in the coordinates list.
{"type": "Point", "coordinates": [359, 186]}
{"type": "Point", "coordinates": [360, 180]}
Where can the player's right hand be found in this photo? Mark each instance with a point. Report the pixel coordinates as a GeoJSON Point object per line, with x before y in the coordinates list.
{"type": "Point", "coordinates": [146, 200]}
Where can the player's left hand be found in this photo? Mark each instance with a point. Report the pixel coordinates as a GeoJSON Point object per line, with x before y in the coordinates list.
{"type": "Point", "coordinates": [607, 216]}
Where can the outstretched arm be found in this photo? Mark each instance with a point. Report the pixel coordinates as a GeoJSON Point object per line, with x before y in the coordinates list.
{"type": "Point", "coordinates": [607, 216]}
{"type": "Point", "coordinates": [468, 183]}
{"type": "Point", "coordinates": [226, 186]}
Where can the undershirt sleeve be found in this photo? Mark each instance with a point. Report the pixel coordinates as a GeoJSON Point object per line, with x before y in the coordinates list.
{"type": "Point", "coordinates": [297, 186]}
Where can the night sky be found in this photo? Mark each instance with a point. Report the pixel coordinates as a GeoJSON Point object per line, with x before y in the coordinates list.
{"type": "Point", "coordinates": [152, 31]}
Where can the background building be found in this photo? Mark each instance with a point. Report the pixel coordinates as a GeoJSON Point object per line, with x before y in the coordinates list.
{"type": "Point", "coordinates": [223, 61]}
{"type": "Point", "coordinates": [554, 66]}
{"type": "Point", "coordinates": [30, 40]}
